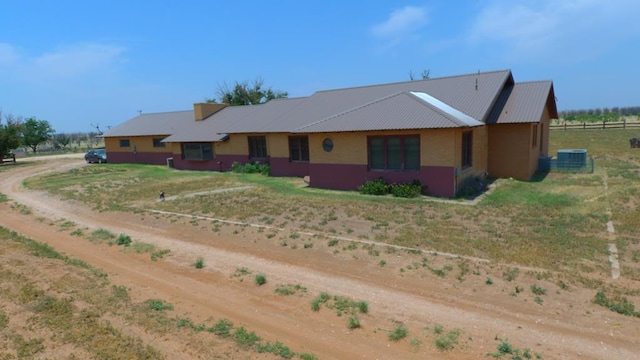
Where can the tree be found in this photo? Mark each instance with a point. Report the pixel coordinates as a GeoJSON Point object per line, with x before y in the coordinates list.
{"type": "Point", "coordinates": [9, 134]}
{"type": "Point", "coordinates": [35, 132]}
{"type": "Point", "coordinates": [62, 141]}
{"type": "Point", "coordinates": [245, 93]}
{"type": "Point", "coordinates": [425, 74]}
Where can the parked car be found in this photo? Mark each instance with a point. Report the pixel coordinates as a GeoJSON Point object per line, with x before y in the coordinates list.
{"type": "Point", "coordinates": [96, 156]}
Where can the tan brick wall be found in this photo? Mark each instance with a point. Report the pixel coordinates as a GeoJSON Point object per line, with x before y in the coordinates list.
{"type": "Point", "coordinates": [510, 151]}
{"type": "Point", "coordinates": [278, 145]}
{"type": "Point", "coordinates": [237, 144]}
{"type": "Point", "coordinates": [348, 148]}
{"type": "Point", "coordinates": [141, 143]}
{"type": "Point", "coordinates": [440, 147]}
{"type": "Point", "coordinates": [544, 135]}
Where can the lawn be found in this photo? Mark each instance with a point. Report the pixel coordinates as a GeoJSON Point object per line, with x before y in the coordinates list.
{"type": "Point", "coordinates": [556, 223]}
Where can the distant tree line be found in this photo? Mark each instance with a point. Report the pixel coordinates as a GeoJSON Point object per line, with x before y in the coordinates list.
{"type": "Point", "coordinates": [38, 135]}
{"type": "Point", "coordinates": [600, 114]}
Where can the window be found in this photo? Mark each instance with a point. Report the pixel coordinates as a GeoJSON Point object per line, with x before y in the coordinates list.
{"type": "Point", "coordinates": [257, 147]}
{"type": "Point", "coordinates": [327, 144]}
{"type": "Point", "coordinates": [394, 152]}
{"type": "Point", "coordinates": [157, 142]}
{"type": "Point", "coordinates": [534, 140]}
{"type": "Point", "coordinates": [299, 148]}
{"type": "Point", "coordinates": [125, 143]}
{"type": "Point", "coordinates": [467, 149]}
{"type": "Point", "coordinates": [196, 151]}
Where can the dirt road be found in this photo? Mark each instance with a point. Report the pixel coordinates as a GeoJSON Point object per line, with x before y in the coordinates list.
{"type": "Point", "coordinates": [567, 326]}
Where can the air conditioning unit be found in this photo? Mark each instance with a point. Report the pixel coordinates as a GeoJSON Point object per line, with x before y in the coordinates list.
{"type": "Point", "coordinates": [572, 158]}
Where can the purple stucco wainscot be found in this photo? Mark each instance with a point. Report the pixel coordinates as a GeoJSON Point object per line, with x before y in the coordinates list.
{"type": "Point", "coordinates": [285, 167]}
{"type": "Point", "coordinates": [337, 176]}
{"type": "Point", "coordinates": [138, 158]}
{"type": "Point", "coordinates": [182, 164]}
{"type": "Point", "coordinates": [226, 161]}
{"type": "Point", "coordinates": [439, 180]}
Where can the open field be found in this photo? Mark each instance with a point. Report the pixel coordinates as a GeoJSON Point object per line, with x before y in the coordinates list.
{"type": "Point", "coordinates": [321, 273]}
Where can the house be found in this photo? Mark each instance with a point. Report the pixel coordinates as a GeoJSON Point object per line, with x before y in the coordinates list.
{"type": "Point", "coordinates": [445, 132]}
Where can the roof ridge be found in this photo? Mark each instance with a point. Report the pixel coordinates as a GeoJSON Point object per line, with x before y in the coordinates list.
{"type": "Point", "coordinates": [412, 81]}
{"type": "Point", "coordinates": [451, 117]}
{"type": "Point", "coordinates": [533, 82]}
{"type": "Point", "coordinates": [165, 112]}
{"type": "Point", "coordinates": [355, 108]}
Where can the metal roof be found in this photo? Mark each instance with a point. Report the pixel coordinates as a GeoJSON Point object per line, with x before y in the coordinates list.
{"type": "Point", "coordinates": [403, 110]}
{"type": "Point", "coordinates": [472, 94]}
{"type": "Point", "coordinates": [456, 101]}
{"type": "Point", "coordinates": [206, 130]}
{"type": "Point", "coordinates": [165, 123]}
{"type": "Point", "coordinates": [522, 103]}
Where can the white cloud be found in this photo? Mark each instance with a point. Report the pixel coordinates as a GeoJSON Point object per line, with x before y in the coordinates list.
{"type": "Point", "coordinates": [8, 54]}
{"type": "Point", "coordinates": [401, 22]}
{"type": "Point", "coordinates": [67, 63]}
{"type": "Point", "coordinates": [548, 28]}
{"type": "Point", "coordinates": [75, 61]}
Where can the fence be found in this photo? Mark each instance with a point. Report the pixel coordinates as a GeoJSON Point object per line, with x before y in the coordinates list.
{"type": "Point", "coordinates": [568, 166]}
{"type": "Point", "coordinates": [596, 125]}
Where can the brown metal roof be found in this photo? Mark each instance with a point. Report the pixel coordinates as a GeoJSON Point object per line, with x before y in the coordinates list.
{"type": "Point", "coordinates": [522, 103]}
{"type": "Point", "coordinates": [165, 123]}
{"type": "Point", "coordinates": [404, 110]}
{"type": "Point", "coordinates": [456, 101]}
{"type": "Point", "coordinates": [472, 94]}
{"type": "Point", "coordinates": [206, 130]}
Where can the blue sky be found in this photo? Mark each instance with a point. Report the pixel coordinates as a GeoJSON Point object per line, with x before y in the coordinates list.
{"type": "Point", "coordinates": [81, 63]}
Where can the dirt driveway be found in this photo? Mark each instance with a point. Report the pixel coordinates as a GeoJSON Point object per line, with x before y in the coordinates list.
{"type": "Point", "coordinates": [567, 326]}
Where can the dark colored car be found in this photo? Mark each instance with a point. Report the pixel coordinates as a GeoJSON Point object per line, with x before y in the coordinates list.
{"type": "Point", "coordinates": [96, 156]}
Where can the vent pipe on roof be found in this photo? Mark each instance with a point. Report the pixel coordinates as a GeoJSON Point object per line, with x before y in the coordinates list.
{"type": "Point", "coordinates": [477, 80]}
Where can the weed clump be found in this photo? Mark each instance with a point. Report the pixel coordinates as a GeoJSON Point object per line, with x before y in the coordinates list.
{"type": "Point", "coordinates": [399, 333]}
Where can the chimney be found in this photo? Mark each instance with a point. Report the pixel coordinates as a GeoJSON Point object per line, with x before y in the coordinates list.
{"type": "Point", "coordinates": [204, 110]}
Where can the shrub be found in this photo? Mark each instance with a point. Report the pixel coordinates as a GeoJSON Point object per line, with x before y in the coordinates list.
{"type": "Point", "coordinates": [537, 290]}
{"type": "Point", "coordinates": [199, 264]}
{"type": "Point", "coordinates": [244, 338]}
{"type": "Point", "coordinates": [123, 240]}
{"type": "Point", "coordinates": [158, 305]}
{"type": "Point", "coordinates": [448, 341]}
{"type": "Point", "coordinates": [251, 168]}
{"type": "Point", "coordinates": [222, 328]}
{"type": "Point", "coordinates": [261, 279]}
{"type": "Point", "coordinates": [354, 323]}
{"type": "Point", "coordinates": [406, 190]}
{"type": "Point", "coordinates": [376, 187]}
{"type": "Point", "coordinates": [398, 333]}
{"type": "Point", "coordinates": [276, 348]}
{"type": "Point", "coordinates": [307, 356]}
{"type": "Point", "coordinates": [621, 306]}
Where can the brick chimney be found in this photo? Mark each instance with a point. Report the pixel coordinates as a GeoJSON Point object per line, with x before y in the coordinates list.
{"type": "Point", "coordinates": [204, 110]}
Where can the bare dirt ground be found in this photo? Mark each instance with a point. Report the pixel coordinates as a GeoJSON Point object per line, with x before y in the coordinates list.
{"type": "Point", "coordinates": [567, 326]}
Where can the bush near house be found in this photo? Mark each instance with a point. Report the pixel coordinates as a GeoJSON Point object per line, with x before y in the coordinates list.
{"type": "Point", "coordinates": [251, 168]}
{"type": "Point", "coordinates": [381, 187]}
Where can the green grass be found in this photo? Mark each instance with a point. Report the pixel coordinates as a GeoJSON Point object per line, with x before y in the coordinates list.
{"type": "Point", "coordinates": [553, 223]}
{"type": "Point", "coordinates": [290, 289]}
